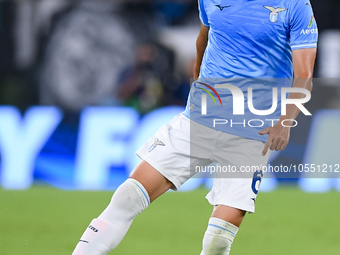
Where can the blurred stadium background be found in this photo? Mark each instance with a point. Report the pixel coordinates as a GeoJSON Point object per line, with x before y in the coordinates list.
{"type": "Point", "coordinates": [84, 83]}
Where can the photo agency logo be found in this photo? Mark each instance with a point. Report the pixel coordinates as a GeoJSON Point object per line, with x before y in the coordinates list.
{"type": "Point", "coordinates": [240, 101]}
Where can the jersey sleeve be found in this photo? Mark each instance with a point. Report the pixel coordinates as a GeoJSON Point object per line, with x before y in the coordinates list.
{"type": "Point", "coordinates": [203, 14]}
{"type": "Point", "coordinates": [302, 24]}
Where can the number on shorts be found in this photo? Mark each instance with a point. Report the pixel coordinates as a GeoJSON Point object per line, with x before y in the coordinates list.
{"type": "Point", "coordinates": [257, 178]}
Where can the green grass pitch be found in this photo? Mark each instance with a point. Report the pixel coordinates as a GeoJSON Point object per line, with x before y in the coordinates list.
{"type": "Point", "coordinates": [287, 221]}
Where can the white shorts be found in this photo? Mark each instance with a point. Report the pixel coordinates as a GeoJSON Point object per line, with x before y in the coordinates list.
{"type": "Point", "coordinates": [176, 155]}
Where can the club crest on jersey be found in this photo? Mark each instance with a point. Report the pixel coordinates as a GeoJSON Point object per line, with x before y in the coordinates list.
{"type": "Point", "coordinates": [274, 13]}
{"type": "Point", "coordinates": [155, 144]}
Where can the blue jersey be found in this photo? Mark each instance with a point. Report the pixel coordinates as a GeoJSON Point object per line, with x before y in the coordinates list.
{"type": "Point", "coordinates": [253, 40]}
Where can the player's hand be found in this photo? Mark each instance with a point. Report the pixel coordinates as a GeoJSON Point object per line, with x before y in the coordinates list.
{"type": "Point", "coordinates": [278, 137]}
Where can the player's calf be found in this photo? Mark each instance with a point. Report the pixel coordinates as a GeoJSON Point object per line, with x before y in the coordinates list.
{"type": "Point", "coordinates": [219, 237]}
{"type": "Point", "coordinates": [106, 232]}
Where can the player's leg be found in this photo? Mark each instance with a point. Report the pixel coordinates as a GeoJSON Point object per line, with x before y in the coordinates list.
{"type": "Point", "coordinates": [152, 180]}
{"type": "Point", "coordinates": [232, 215]}
{"type": "Point", "coordinates": [168, 152]}
{"type": "Point", "coordinates": [131, 198]}
{"type": "Point", "coordinates": [233, 193]}
{"type": "Point", "coordinates": [222, 229]}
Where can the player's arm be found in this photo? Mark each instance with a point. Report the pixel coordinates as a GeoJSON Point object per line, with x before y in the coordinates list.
{"type": "Point", "coordinates": [303, 64]}
{"type": "Point", "coordinates": [201, 44]}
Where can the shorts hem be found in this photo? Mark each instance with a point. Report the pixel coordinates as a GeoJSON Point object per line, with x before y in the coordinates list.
{"type": "Point", "coordinates": [250, 209]}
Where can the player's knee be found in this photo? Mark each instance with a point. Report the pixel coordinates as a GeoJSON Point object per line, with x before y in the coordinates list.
{"type": "Point", "coordinates": [219, 237]}
{"type": "Point", "coordinates": [216, 245]}
{"type": "Point", "coordinates": [129, 200]}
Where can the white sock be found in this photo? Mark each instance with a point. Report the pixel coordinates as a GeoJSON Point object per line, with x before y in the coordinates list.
{"type": "Point", "coordinates": [106, 232]}
{"type": "Point", "coordinates": [219, 237]}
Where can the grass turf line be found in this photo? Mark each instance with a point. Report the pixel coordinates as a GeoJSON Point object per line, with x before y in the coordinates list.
{"type": "Point", "coordinates": [287, 221]}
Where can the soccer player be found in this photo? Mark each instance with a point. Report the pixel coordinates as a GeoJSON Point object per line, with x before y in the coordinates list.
{"type": "Point", "coordinates": [238, 39]}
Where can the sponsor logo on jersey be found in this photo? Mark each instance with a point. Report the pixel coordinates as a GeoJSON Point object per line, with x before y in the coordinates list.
{"type": "Point", "coordinates": [309, 31]}
{"type": "Point", "coordinates": [155, 144]}
{"type": "Point", "coordinates": [222, 7]}
{"type": "Point", "coordinates": [274, 13]}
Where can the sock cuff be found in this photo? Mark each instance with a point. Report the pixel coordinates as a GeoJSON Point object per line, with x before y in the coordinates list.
{"type": "Point", "coordinates": [143, 194]}
{"type": "Point", "coordinates": [222, 227]}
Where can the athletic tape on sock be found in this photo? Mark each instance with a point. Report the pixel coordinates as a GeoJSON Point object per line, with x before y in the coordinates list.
{"type": "Point", "coordinates": [220, 227]}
